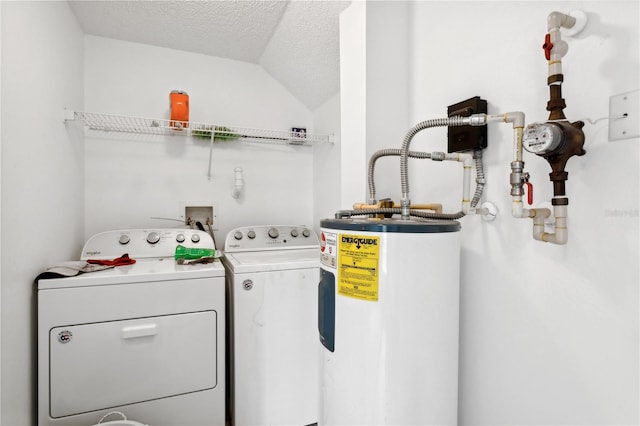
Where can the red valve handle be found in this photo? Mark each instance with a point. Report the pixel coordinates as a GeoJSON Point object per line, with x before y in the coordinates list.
{"type": "Point", "coordinates": [547, 46]}
{"type": "Point", "coordinates": [529, 193]}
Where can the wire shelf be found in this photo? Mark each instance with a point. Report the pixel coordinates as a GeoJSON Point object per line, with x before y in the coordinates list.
{"type": "Point", "coordinates": [204, 131]}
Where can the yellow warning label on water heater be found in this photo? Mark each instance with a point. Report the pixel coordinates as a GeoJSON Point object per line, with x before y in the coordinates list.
{"type": "Point", "coordinates": [358, 257]}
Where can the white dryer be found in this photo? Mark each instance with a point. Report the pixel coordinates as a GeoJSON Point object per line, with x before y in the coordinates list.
{"type": "Point", "coordinates": [145, 339]}
{"type": "Point", "coordinates": [272, 280]}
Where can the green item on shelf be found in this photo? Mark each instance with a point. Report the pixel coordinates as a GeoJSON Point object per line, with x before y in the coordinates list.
{"type": "Point", "coordinates": [221, 134]}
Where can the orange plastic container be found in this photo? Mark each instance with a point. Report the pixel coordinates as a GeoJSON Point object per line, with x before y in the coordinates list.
{"type": "Point", "coordinates": [179, 109]}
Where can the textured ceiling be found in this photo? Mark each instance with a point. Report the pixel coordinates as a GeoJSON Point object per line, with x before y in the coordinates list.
{"type": "Point", "coordinates": [297, 42]}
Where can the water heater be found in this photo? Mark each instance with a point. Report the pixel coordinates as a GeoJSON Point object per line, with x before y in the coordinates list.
{"type": "Point", "coordinates": [388, 303]}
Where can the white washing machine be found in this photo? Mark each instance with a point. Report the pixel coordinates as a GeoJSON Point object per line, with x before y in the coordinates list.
{"type": "Point", "coordinates": [272, 281]}
{"type": "Point", "coordinates": [146, 339]}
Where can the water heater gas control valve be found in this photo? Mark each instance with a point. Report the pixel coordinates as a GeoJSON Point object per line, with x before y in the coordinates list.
{"type": "Point", "coordinates": [543, 138]}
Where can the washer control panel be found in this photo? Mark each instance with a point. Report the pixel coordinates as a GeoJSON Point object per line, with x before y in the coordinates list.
{"type": "Point", "coordinates": [143, 243]}
{"type": "Point", "coordinates": [270, 237]}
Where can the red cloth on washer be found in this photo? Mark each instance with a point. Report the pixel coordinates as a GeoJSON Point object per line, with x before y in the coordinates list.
{"type": "Point", "coordinates": [119, 261]}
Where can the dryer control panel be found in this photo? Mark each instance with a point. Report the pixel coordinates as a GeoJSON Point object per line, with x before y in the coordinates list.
{"type": "Point", "coordinates": [270, 237]}
{"type": "Point", "coordinates": [144, 243]}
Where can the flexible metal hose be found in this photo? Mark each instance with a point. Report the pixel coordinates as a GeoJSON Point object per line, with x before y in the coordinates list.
{"type": "Point", "coordinates": [385, 153]}
{"type": "Point", "coordinates": [341, 214]}
{"type": "Point", "coordinates": [438, 122]}
{"type": "Point", "coordinates": [477, 156]}
{"type": "Point", "coordinates": [404, 156]}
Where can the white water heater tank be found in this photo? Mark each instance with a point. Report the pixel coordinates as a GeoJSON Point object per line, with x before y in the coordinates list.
{"type": "Point", "coordinates": [388, 319]}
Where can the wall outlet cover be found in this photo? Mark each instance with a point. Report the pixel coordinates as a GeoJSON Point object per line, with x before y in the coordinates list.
{"type": "Point", "coordinates": [624, 116]}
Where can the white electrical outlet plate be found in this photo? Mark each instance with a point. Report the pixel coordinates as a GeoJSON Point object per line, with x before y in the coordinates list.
{"type": "Point", "coordinates": [624, 119]}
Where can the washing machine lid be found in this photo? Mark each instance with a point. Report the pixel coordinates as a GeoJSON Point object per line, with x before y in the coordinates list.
{"type": "Point", "coordinates": [418, 226]}
{"type": "Point", "coordinates": [144, 270]}
{"type": "Point", "coordinates": [260, 261]}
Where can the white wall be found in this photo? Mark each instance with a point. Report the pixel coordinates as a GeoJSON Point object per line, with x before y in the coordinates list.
{"type": "Point", "coordinates": [549, 334]}
{"type": "Point", "coordinates": [42, 177]}
{"type": "Point", "coordinates": [375, 66]}
{"type": "Point", "coordinates": [387, 104]}
{"type": "Point", "coordinates": [132, 179]}
{"type": "Point", "coordinates": [326, 162]}
{"type": "Point", "coordinates": [353, 92]}
{"type": "Point", "coordinates": [0, 213]}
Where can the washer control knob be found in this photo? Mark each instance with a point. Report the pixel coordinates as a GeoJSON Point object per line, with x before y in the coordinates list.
{"type": "Point", "coordinates": [306, 233]}
{"type": "Point", "coordinates": [180, 238]}
{"type": "Point", "coordinates": [237, 235]}
{"type": "Point", "coordinates": [195, 238]}
{"type": "Point", "coordinates": [153, 237]}
{"type": "Point", "coordinates": [251, 235]}
{"type": "Point", "coordinates": [294, 233]}
{"type": "Point", "coordinates": [124, 239]}
{"type": "Point", "coordinates": [273, 232]}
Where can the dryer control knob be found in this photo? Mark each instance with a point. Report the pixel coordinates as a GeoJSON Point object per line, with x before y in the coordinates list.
{"type": "Point", "coordinates": [180, 238]}
{"type": "Point", "coordinates": [273, 232]}
{"type": "Point", "coordinates": [124, 239]}
{"type": "Point", "coordinates": [306, 233]}
{"type": "Point", "coordinates": [294, 233]}
{"type": "Point", "coordinates": [195, 238]}
{"type": "Point", "coordinates": [251, 235]}
{"type": "Point", "coordinates": [153, 237]}
{"type": "Point", "coordinates": [237, 235]}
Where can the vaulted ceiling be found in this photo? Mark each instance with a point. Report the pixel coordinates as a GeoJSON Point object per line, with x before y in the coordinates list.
{"type": "Point", "coordinates": [297, 42]}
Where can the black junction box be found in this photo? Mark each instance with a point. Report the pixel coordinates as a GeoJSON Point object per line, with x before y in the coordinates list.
{"type": "Point", "coordinates": [465, 138]}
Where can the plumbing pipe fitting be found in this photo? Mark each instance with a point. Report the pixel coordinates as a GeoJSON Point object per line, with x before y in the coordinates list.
{"type": "Point", "coordinates": [561, 233]}
{"type": "Point", "coordinates": [405, 208]}
{"type": "Point", "coordinates": [437, 156]}
{"type": "Point", "coordinates": [555, 48]}
{"type": "Point", "coordinates": [539, 217]}
{"type": "Point", "coordinates": [476, 120]}
{"type": "Point", "coordinates": [555, 20]}
{"type": "Point", "coordinates": [515, 117]}
{"type": "Point", "coordinates": [517, 208]}
{"type": "Point", "coordinates": [517, 178]}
